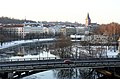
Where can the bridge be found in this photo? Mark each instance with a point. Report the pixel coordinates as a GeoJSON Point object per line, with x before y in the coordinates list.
{"type": "Point", "coordinates": [35, 64]}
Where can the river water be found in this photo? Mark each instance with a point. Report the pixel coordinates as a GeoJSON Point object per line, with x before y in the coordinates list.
{"type": "Point", "coordinates": [39, 50]}
{"type": "Point", "coordinates": [64, 74]}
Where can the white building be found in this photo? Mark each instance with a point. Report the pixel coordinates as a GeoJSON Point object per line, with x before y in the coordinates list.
{"type": "Point", "coordinates": [90, 38]}
{"type": "Point", "coordinates": [55, 29]}
{"type": "Point", "coordinates": [33, 28]}
{"type": "Point", "coordinates": [77, 37]}
{"type": "Point", "coordinates": [99, 39]}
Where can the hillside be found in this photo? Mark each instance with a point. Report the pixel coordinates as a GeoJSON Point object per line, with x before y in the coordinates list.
{"type": "Point", "coordinates": [7, 20]}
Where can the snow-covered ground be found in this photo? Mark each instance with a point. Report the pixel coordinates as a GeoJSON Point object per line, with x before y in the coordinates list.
{"type": "Point", "coordinates": [13, 43]}
{"type": "Point", "coordinates": [34, 57]}
{"type": "Point", "coordinates": [110, 52]}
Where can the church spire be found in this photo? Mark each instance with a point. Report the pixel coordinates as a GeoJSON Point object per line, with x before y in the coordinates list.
{"type": "Point", "coordinates": [88, 20]}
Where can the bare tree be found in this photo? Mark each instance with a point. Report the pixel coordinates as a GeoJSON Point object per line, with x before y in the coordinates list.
{"type": "Point", "coordinates": [112, 30]}
{"type": "Point", "coordinates": [63, 47]}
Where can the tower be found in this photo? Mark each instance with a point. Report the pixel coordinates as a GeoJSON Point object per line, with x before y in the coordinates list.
{"type": "Point", "coordinates": [88, 20]}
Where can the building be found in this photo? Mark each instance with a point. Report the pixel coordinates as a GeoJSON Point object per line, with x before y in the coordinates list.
{"type": "Point", "coordinates": [55, 30]}
{"type": "Point", "coordinates": [90, 26]}
{"type": "Point", "coordinates": [119, 44]}
{"type": "Point", "coordinates": [77, 37]}
{"type": "Point", "coordinates": [36, 28]}
{"type": "Point", "coordinates": [99, 39]}
{"type": "Point", "coordinates": [70, 30]}
{"type": "Point", "coordinates": [87, 20]}
{"type": "Point", "coordinates": [13, 30]}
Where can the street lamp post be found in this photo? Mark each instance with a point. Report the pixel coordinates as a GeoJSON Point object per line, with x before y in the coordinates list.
{"type": "Point", "coordinates": [37, 48]}
{"type": "Point", "coordinates": [40, 52]}
{"type": "Point", "coordinates": [47, 52]}
{"type": "Point", "coordinates": [75, 43]}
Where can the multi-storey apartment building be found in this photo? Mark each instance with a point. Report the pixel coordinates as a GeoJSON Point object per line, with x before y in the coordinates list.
{"type": "Point", "coordinates": [56, 29]}
{"type": "Point", "coordinates": [32, 28]}
{"type": "Point", "coordinates": [13, 29]}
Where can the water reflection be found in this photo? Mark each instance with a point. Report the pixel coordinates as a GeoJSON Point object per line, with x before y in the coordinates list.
{"type": "Point", "coordinates": [26, 49]}
{"type": "Point", "coordinates": [39, 49]}
{"type": "Point", "coordinates": [65, 74]}
{"type": "Point", "coordinates": [72, 73]}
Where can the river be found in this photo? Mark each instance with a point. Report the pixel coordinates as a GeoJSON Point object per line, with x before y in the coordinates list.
{"type": "Point", "coordinates": [39, 50]}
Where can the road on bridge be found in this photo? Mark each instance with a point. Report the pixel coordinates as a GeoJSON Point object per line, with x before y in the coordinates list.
{"type": "Point", "coordinates": [58, 63]}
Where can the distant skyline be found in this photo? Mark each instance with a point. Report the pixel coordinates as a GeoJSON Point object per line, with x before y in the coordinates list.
{"type": "Point", "coordinates": [100, 11]}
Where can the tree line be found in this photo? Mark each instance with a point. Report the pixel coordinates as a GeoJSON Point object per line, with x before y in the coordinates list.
{"type": "Point", "coordinates": [112, 30]}
{"type": "Point", "coordinates": [7, 20]}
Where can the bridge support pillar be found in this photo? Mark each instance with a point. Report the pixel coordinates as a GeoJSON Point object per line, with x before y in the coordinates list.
{"type": "Point", "coordinates": [4, 75]}
{"type": "Point", "coordinates": [10, 75]}
{"type": "Point", "coordinates": [27, 72]}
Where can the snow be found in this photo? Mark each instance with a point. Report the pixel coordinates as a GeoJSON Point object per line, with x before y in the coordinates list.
{"type": "Point", "coordinates": [14, 43]}
{"type": "Point", "coordinates": [42, 75]}
{"type": "Point", "coordinates": [42, 55]}
{"type": "Point", "coordinates": [110, 51]}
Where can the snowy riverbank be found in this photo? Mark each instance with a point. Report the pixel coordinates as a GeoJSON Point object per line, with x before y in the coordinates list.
{"type": "Point", "coordinates": [14, 43]}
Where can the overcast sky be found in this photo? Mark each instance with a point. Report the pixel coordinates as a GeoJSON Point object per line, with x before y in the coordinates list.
{"type": "Point", "coordinates": [101, 11]}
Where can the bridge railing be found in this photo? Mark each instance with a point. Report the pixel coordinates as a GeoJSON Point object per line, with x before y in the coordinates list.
{"type": "Point", "coordinates": [27, 59]}
{"type": "Point", "coordinates": [55, 58]}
